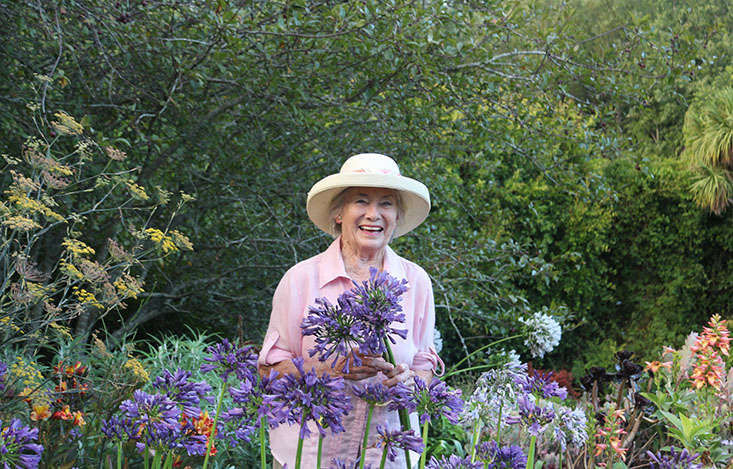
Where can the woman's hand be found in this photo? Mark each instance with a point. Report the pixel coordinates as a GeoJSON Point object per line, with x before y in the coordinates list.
{"type": "Point", "coordinates": [370, 366]}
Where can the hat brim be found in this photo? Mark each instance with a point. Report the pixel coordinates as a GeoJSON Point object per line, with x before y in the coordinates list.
{"type": "Point", "coordinates": [414, 194]}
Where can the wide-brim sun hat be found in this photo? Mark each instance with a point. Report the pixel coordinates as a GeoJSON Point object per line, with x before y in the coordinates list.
{"type": "Point", "coordinates": [369, 170]}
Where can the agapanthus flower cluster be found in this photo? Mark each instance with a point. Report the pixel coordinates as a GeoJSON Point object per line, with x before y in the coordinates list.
{"type": "Point", "coordinates": [362, 319]}
{"type": "Point", "coordinates": [430, 401]}
{"type": "Point", "coordinates": [495, 394]}
{"type": "Point", "coordinates": [226, 359]}
{"type": "Point", "coordinates": [244, 419]}
{"type": "Point", "coordinates": [673, 460]}
{"type": "Point", "coordinates": [570, 427]}
{"type": "Point", "coordinates": [543, 334]}
{"type": "Point", "coordinates": [501, 457]}
{"type": "Point", "coordinates": [541, 384]}
{"type": "Point", "coordinates": [168, 420]}
{"type": "Point", "coordinates": [18, 446]}
{"type": "Point", "coordinates": [392, 440]}
{"type": "Point", "coordinates": [531, 415]}
{"type": "Point", "coordinates": [453, 462]}
{"type": "Point", "coordinates": [188, 394]}
{"type": "Point", "coordinates": [709, 368]}
{"type": "Point", "coordinates": [374, 393]}
{"type": "Point", "coordinates": [308, 397]}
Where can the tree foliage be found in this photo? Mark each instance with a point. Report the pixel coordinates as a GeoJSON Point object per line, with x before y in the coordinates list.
{"type": "Point", "coordinates": [517, 116]}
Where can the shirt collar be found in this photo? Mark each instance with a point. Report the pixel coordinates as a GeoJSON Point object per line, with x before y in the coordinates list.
{"type": "Point", "coordinates": [332, 266]}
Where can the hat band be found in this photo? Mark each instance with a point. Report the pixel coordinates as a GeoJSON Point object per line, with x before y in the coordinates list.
{"type": "Point", "coordinates": [372, 171]}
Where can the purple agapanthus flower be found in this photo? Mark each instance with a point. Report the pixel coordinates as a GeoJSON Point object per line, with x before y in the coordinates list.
{"type": "Point", "coordinates": [392, 440]}
{"type": "Point", "coordinates": [541, 384]}
{"type": "Point", "coordinates": [531, 415]}
{"type": "Point", "coordinates": [501, 457]}
{"type": "Point", "coordinates": [362, 319]}
{"type": "Point", "coordinates": [673, 460]}
{"type": "Point", "coordinates": [188, 394]}
{"type": "Point", "coordinates": [244, 419]}
{"type": "Point", "coordinates": [335, 330]}
{"type": "Point", "coordinates": [376, 305]}
{"type": "Point", "coordinates": [154, 419]}
{"type": "Point", "coordinates": [3, 373]}
{"type": "Point", "coordinates": [373, 393]}
{"type": "Point", "coordinates": [226, 358]}
{"type": "Point", "coordinates": [118, 428]}
{"type": "Point", "coordinates": [430, 401]}
{"type": "Point", "coordinates": [453, 462]}
{"type": "Point", "coordinates": [298, 399]}
{"type": "Point", "coordinates": [18, 447]}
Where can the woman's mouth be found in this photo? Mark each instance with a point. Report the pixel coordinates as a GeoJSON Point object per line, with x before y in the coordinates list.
{"type": "Point", "coordinates": [371, 228]}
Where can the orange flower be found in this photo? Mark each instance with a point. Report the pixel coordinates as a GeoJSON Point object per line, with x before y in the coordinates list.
{"type": "Point", "coordinates": [616, 445]}
{"type": "Point", "coordinates": [78, 419]}
{"type": "Point", "coordinates": [40, 412]}
{"type": "Point", "coordinates": [657, 365]}
{"type": "Point", "coordinates": [63, 414]}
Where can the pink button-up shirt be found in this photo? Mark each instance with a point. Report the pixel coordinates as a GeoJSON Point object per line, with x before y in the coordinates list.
{"type": "Point", "coordinates": [324, 275]}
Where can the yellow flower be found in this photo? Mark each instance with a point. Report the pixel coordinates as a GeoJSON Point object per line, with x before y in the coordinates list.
{"type": "Point", "coordinates": [86, 298]}
{"type": "Point", "coordinates": [137, 191]}
{"type": "Point", "coordinates": [134, 365]}
{"type": "Point", "coordinates": [20, 223]}
{"type": "Point", "coordinates": [66, 124]}
{"type": "Point", "coordinates": [164, 242]}
{"type": "Point", "coordinates": [70, 270]}
{"type": "Point", "coordinates": [77, 248]}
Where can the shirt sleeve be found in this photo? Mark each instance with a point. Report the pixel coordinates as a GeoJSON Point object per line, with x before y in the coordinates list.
{"type": "Point", "coordinates": [278, 344]}
{"type": "Point", "coordinates": [426, 357]}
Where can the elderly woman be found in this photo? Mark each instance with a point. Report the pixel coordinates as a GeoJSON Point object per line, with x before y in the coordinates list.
{"type": "Point", "coordinates": [364, 206]}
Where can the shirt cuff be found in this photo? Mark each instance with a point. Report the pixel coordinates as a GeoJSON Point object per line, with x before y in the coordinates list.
{"type": "Point", "coordinates": [428, 360]}
{"type": "Point", "coordinates": [271, 353]}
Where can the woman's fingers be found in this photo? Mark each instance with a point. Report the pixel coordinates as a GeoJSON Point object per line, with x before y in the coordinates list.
{"type": "Point", "coordinates": [378, 363]}
{"type": "Point", "coordinates": [402, 374]}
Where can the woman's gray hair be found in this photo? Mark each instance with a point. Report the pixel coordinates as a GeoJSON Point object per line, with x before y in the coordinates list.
{"type": "Point", "coordinates": [337, 203]}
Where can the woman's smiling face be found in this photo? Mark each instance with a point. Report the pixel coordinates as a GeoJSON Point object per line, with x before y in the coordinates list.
{"type": "Point", "coordinates": [368, 218]}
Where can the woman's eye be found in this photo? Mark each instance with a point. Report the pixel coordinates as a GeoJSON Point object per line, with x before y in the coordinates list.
{"type": "Point", "coordinates": [361, 201]}
{"type": "Point", "coordinates": [387, 203]}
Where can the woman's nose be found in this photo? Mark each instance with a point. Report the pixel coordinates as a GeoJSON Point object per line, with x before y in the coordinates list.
{"type": "Point", "coordinates": [372, 211]}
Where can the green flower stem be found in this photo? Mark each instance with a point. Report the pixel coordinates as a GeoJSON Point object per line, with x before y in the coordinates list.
{"type": "Point", "coordinates": [299, 453]}
{"type": "Point", "coordinates": [559, 462]}
{"type": "Point", "coordinates": [147, 452]}
{"type": "Point", "coordinates": [424, 454]}
{"type": "Point", "coordinates": [404, 417]}
{"type": "Point", "coordinates": [320, 451]}
{"type": "Point", "coordinates": [474, 438]}
{"type": "Point", "coordinates": [119, 455]}
{"type": "Point", "coordinates": [156, 459]}
{"type": "Point", "coordinates": [169, 461]}
{"type": "Point", "coordinates": [366, 435]}
{"type": "Point", "coordinates": [384, 458]}
{"type": "Point", "coordinates": [213, 428]}
{"type": "Point", "coordinates": [498, 427]}
{"type": "Point", "coordinates": [530, 452]}
{"type": "Point", "coordinates": [480, 349]}
{"type": "Point", "coordinates": [263, 423]}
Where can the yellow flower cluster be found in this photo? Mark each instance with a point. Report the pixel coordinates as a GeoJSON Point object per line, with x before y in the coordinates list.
{"type": "Point", "coordinates": [181, 240]}
{"type": "Point", "coordinates": [26, 372]}
{"type": "Point", "coordinates": [70, 270]}
{"type": "Point", "coordinates": [20, 223]}
{"type": "Point", "coordinates": [23, 203]}
{"type": "Point", "coordinates": [134, 365]}
{"type": "Point", "coordinates": [127, 286]}
{"type": "Point", "coordinates": [66, 124]}
{"type": "Point", "coordinates": [164, 242]}
{"type": "Point", "coordinates": [77, 248]}
{"type": "Point", "coordinates": [36, 290]}
{"type": "Point", "coordinates": [63, 331]}
{"type": "Point", "coordinates": [137, 191]}
{"type": "Point", "coordinates": [7, 322]}
{"type": "Point", "coordinates": [86, 297]}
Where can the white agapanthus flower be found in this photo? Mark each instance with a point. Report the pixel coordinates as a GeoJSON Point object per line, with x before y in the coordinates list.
{"type": "Point", "coordinates": [570, 427]}
{"type": "Point", "coordinates": [543, 334]}
{"type": "Point", "coordinates": [437, 341]}
{"type": "Point", "coordinates": [495, 394]}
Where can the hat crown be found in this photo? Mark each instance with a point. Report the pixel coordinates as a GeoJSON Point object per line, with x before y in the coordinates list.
{"type": "Point", "coordinates": [370, 163]}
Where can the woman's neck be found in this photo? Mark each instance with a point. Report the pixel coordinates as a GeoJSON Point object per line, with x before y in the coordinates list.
{"type": "Point", "coordinates": [357, 263]}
